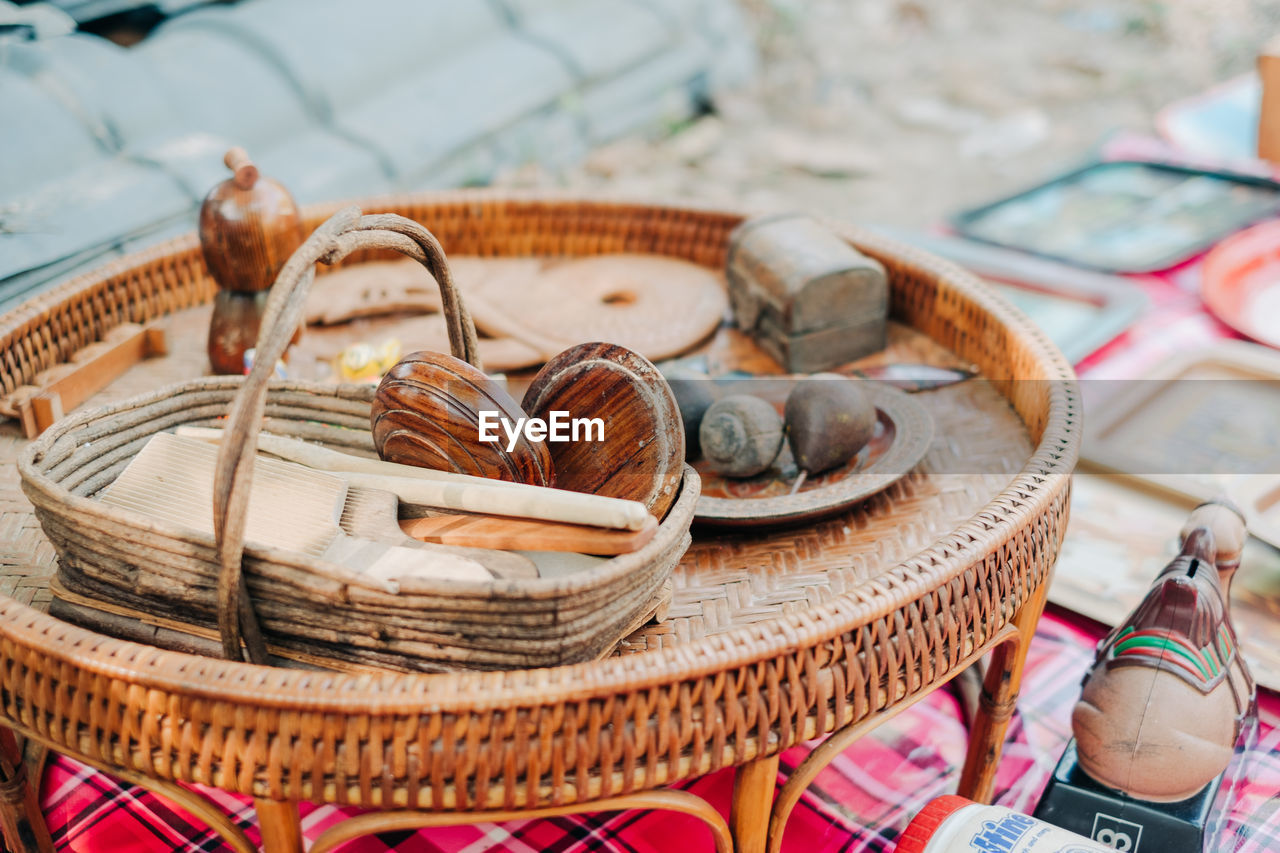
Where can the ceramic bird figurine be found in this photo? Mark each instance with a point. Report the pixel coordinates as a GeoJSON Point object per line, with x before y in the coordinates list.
{"type": "Point", "coordinates": [1164, 703]}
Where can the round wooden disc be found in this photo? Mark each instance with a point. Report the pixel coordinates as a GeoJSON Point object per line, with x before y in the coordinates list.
{"type": "Point", "coordinates": [426, 413]}
{"type": "Point", "coordinates": [642, 455]}
{"type": "Point", "coordinates": [657, 306]}
{"type": "Point", "coordinates": [430, 332]}
{"type": "Point", "coordinates": [371, 289]}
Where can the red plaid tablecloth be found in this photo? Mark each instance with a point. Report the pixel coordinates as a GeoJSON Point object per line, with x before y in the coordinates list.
{"type": "Point", "coordinates": [859, 803]}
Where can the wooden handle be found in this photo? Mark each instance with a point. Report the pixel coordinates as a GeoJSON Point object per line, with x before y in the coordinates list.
{"type": "Point", "coordinates": [547, 504]}
{"type": "Point", "coordinates": [478, 531]}
{"type": "Point", "coordinates": [245, 173]}
{"type": "Point", "coordinates": [1269, 104]}
{"type": "Point", "coordinates": [345, 232]}
{"type": "Point", "coordinates": [447, 490]}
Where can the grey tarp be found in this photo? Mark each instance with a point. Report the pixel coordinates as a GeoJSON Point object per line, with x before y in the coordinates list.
{"type": "Point", "coordinates": [108, 148]}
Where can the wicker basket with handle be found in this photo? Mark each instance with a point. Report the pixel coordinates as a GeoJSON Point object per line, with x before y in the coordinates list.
{"type": "Point", "coordinates": [311, 609]}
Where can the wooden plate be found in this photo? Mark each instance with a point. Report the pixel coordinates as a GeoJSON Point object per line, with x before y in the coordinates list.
{"type": "Point", "coordinates": [903, 434]}
{"type": "Point", "coordinates": [658, 306]}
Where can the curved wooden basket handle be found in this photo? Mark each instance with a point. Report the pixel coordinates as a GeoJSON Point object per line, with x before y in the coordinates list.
{"type": "Point", "coordinates": [345, 232]}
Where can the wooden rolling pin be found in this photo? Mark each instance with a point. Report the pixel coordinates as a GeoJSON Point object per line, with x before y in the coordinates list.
{"type": "Point", "coordinates": [446, 490]}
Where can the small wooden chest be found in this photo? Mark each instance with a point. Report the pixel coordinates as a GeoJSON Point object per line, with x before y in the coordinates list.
{"type": "Point", "coordinates": [808, 298]}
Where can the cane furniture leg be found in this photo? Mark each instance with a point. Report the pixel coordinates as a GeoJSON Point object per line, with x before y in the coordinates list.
{"type": "Point", "coordinates": [840, 740]}
{"type": "Point", "coordinates": [998, 701]}
{"type": "Point", "coordinates": [21, 819]}
{"type": "Point", "coordinates": [667, 799]}
{"type": "Point", "coordinates": [212, 816]}
{"type": "Point", "coordinates": [206, 811]}
{"type": "Point", "coordinates": [280, 826]}
{"type": "Point", "coordinates": [753, 788]}
{"type": "Point", "coordinates": [198, 806]}
{"type": "Point", "coordinates": [967, 690]}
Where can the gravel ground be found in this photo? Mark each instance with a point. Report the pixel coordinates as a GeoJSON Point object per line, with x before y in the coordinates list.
{"type": "Point", "coordinates": [899, 112]}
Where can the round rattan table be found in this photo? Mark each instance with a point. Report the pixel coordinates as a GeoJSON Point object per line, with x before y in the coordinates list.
{"type": "Point", "coordinates": [773, 637]}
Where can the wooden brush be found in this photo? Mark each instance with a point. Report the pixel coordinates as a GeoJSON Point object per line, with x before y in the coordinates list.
{"type": "Point", "coordinates": [371, 516]}
{"type": "Point", "coordinates": [290, 507]}
{"type": "Point", "coordinates": [447, 490]}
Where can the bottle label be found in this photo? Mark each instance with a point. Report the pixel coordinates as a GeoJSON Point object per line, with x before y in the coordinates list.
{"type": "Point", "coordinates": [1010, 832]}
{"type": "Point", "coordinates": [1003, 835]}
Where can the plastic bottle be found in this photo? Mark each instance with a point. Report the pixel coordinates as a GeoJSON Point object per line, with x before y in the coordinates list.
{"type": "Point", "coordinates": [953, 824]}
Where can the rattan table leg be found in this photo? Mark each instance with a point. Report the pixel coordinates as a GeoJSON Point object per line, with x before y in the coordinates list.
{"type": "Point", "coordinates": [998, 701]}
{"type": "Point", "coordinates": [213, 816]}
{"type": "Point", "coordinates": [753, 789]}
{"type": "Point", "coordinates": [21, 819]}
{"type": "Point", "coordinates": [280, 826]}
{"type": "Point", "coordinates": [799, 779]}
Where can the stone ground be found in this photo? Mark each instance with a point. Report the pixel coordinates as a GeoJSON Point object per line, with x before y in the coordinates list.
{"type": "Point", "coordinates": [900, 112]}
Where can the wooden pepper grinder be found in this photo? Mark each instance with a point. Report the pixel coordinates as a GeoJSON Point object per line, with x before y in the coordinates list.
{"type": "Point", "coordinates": [249, 226]}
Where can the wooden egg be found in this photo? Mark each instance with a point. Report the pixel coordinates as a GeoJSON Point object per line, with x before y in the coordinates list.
{"type": "Point", "coordinates": [829, 419]}
{"type": "Point", "coordinates": [427, 412]}
{"type": "Point", "coordinates": [740, 435]}
{"type": "Point", "coordinates": [249, 227]}
{"type": "Point", "coordinates": [641, 456]}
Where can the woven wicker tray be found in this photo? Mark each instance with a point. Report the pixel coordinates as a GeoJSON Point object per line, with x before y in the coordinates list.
{"type": "Point", "coordinates": [771, 639]}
